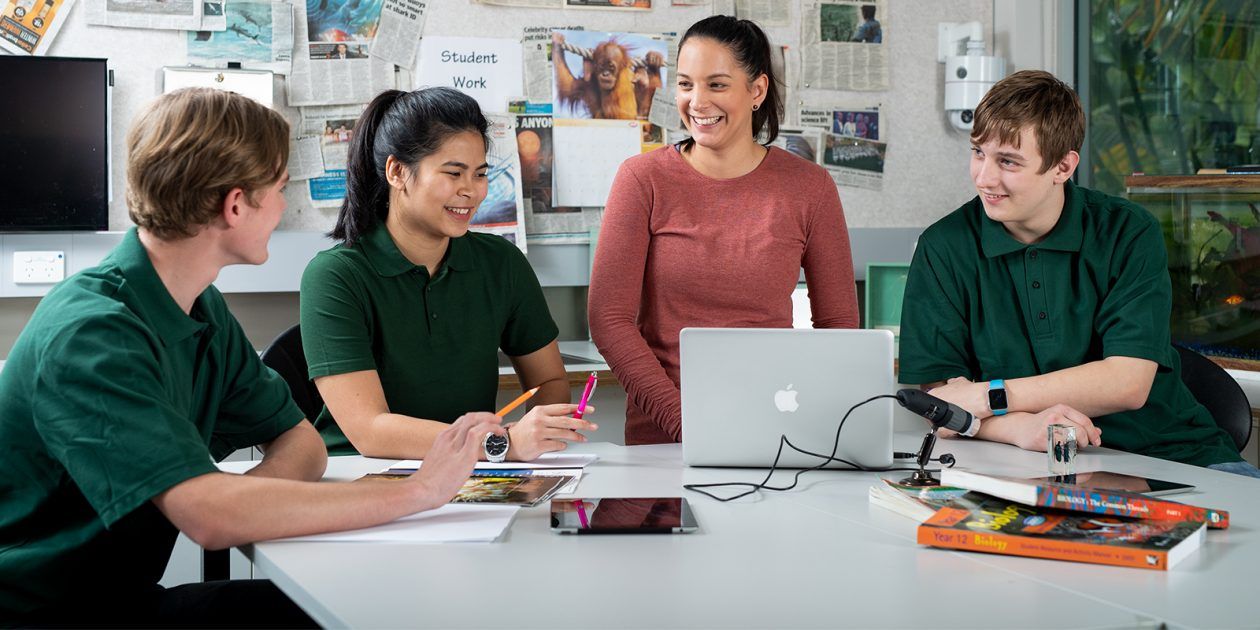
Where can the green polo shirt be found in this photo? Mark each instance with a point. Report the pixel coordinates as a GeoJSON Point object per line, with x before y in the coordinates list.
{"type": "Point", "coordinates": [433, 341]}
{"type": "Point", "coordinates": [980, 304]}
{"type": "Point", "coordinates": [110, 396]}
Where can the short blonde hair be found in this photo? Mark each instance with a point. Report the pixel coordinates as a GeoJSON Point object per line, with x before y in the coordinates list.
{"type": "Point", "coordinates": [190, 147]}
{"type": "Point", "coordinates": [1032, 98]}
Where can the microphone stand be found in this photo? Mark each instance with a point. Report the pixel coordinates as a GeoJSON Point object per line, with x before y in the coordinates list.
{"type": "Point", "coordinates": [921, 478]}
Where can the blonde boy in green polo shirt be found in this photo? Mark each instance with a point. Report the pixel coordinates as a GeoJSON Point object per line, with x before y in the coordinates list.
{"type": "Point", "coordinates": [132, 377]}
{"type": "Point", "coordinates": [1040, 302]}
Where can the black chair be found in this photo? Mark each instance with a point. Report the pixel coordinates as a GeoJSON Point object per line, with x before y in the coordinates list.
{"type": "Point", "coordinates": [286, 357]}
{"type": "Point", "coordinates": [1215, 389]}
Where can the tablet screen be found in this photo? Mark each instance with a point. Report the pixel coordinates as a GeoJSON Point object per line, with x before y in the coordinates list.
{"type": "Point", "coordinates": [659, 515]}
{"type": "Point", "coordinates": [1106, 480]}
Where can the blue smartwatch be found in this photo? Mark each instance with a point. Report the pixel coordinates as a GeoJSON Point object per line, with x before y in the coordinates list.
{"type": "Point", "coordinates": [997, 396]}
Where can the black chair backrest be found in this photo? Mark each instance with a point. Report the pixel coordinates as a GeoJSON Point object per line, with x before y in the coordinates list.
{"type": "Point", "coordinates": [285, 356]}
{"type": "Point", "coordinates": [1215, 389]}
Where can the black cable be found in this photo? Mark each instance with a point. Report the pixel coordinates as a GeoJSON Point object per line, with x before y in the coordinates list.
{"type": "Point", "coordinates": [783, 440]}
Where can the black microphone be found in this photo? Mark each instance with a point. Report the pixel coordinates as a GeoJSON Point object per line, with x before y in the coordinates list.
{"type": "Point", "coordinates": [942, 415]}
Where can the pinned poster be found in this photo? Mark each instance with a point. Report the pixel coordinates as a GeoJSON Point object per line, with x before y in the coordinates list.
{"type": "Point", "coordinates": [487, 69]}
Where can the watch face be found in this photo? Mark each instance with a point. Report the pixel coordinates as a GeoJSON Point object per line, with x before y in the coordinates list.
{"type": "Point", "coordinates": [496, 445]}
{"type": "Point", "coordinates": [997, 399]}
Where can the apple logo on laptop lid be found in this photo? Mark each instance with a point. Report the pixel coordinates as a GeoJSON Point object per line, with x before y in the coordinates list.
{"type": "Point", "coordinates": [785, 399]}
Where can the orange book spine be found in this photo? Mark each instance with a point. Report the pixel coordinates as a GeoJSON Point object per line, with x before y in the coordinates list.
{"type": "Point", "coordinates": [1034, 547]}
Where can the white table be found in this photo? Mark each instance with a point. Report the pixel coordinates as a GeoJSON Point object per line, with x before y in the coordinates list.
{"type": "Point", "coordinates": [819, 556]}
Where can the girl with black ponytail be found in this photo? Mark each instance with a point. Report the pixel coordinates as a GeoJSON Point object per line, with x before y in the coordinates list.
{"type": "Point", "coordinates": [402, 321]}
{"type": "Point", "coordinates": [713, 231]}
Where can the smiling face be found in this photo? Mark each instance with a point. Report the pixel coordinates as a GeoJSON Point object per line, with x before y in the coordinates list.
{"type": "Point", "coordinates": [1012, 190]}
{"type": "Point", "coordinates": [438, 196]}
{"type": "Point", "coordinates": [715, 95]}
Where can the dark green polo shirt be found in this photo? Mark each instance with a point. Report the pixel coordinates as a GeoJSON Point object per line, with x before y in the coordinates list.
{"type": "Point", "coordinates": [980, 304]}
{"type": "Point", "coordinates": [110, 396]}
{"type": "Point", "coordinates": [433, 341]}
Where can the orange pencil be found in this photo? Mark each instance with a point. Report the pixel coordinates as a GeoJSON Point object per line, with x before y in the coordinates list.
{"type": "Point", "coordinates": [516, 403]}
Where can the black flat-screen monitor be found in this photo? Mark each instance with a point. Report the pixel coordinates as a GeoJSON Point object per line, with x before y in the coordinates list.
{"type": "Point", "coordinates": [54, 169]}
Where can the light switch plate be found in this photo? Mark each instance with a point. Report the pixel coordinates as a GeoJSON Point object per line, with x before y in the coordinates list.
{"type": "Point", "coordinates": [39, 267]}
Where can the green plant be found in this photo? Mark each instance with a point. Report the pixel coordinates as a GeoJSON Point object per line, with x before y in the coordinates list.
{"type": "Point", "coordinates": [1174, 86]}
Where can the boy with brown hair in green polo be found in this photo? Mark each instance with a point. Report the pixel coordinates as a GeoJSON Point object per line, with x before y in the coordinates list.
{"type": "Point", "coordinates": [132, 377]}
{"type": "Point", "coordinates": [1040, 302]}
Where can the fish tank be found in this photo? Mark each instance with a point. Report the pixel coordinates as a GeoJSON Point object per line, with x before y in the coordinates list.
{"type": "Point", "coordinates": [1211, 227]}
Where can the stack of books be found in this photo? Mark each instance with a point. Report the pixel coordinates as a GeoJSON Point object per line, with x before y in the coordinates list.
{"type": "Point", "coordinates": [1042, 519]}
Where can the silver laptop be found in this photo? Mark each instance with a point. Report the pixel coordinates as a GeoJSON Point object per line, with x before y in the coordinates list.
{"type": "Point", "coordinates": [744, 387]}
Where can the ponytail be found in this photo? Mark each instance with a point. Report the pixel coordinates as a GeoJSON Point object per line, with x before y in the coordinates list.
{"type": "Point", "coordinates": [367, 194]}
{"type": "Point", "coordinates": [408, 126]}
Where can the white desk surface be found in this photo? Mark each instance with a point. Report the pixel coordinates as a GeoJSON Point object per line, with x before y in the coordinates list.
{"type": "Point", "coordinates": [819, 556]}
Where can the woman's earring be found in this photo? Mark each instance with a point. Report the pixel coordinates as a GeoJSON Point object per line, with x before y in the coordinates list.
{"type": "Point", "coordinates": [755, 106]}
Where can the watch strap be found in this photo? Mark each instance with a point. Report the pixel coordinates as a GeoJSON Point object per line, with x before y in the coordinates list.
{"type": "Point", "coordinates": [998, 384]}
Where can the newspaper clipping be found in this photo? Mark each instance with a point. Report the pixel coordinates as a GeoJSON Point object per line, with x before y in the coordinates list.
{"type": "Point", "coordinates": [182, 15]}
{"type": "Point", "coordinates": [331, 64]}
{"type": "Point", "coordinates": [616, 5]}
{"type": "Point", "coordinates": [854, 161]}
{"type": "Point", "coordinates": [851, 150]}
{"type": "Point", "coordinates": [306, 159]}
{"type": "Point", "coordinates": [27, 27]}
{"type": "Point", "coordinates": [803, 143]}
{"type": "Point", "coordinates": [259, 35]}
{"type": "Point", "coordinates": [402, 23]}
{"type": "Point", "coordinates": [334, 128]}
{"type": "Point", "coordinates": [534, 4]}
{"type": "Point", "coordinates": [213, 15]}
{"type": "Point", "coordinates": [764, 12]}
{"type": "Point", "coordinates": [503, 211]}
{"type": "Point", "coordinates": [536, 56]}
{"type": "Point", "coordinates": [664, 110]}
{"type": "Point", "coordinates": [842, 45]}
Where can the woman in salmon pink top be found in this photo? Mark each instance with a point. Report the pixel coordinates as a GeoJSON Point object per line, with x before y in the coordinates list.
{"type": "Point", "coordinates": [713, 231]}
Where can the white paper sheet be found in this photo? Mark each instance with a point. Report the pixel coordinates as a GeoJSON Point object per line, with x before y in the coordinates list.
{"type": "Point", "coordinates": [449, 523]}
{"type": "Point", "coordinates": [587, 155]}
{"type": "Point", "coordinates": [487, 69]}
{"type": "Point", "coordinates": [546, 460]}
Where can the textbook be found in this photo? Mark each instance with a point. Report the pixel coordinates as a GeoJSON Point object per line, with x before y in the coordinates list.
{"type": "Point", "coordinates": [1080, 499]}
{"type": "Point", "coordinates": [527, 491]}
{"type": "Point", "coordinates": [1000, 526]}
{"type": "Point", "coordinates": [916, 503]}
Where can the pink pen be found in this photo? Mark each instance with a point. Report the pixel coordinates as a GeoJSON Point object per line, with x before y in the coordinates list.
{"type": "Point", "coordinates": [586, 395]}
{"type": "Point", "coordinates": [581, 510]}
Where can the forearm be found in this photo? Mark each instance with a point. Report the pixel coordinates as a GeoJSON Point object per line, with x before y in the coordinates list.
{"type": "Point", "coordinates": [642, 375]}
{"type": "Point", "coordinates": [395, 436]}
{"type": "Point", "coordinates": [1095, 389]}
{"type": "Point", "coordinates": [220, 510]}
{"type": "Point", "coordinates": [298, 454]}
{"type": "Point", "coordinates": [1001, 428]}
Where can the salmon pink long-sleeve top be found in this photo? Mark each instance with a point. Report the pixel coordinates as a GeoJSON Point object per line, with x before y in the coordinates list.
{"type": "Point", "coordinates": [678, 248]}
